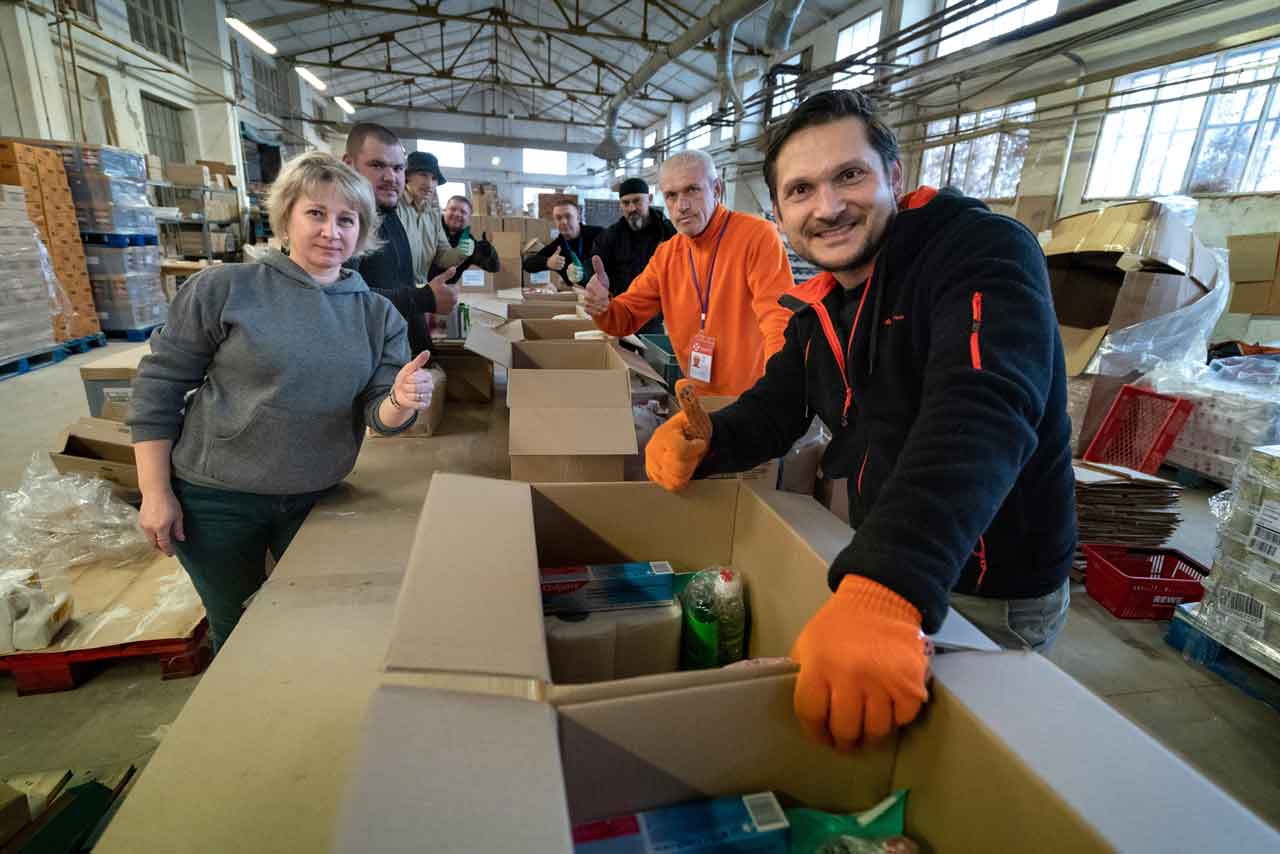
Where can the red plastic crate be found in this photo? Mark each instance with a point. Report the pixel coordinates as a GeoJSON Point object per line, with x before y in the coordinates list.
{"type": "Point", "coordinates": [1142, 584]}
{"type": "Point", "coordinates": [1139, 429]}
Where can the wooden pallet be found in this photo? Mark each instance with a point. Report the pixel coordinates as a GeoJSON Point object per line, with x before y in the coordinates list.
{"type": "Point", "coordinates": [136, 336]}
{"type": "Point", "coordinates": [28, 362]}
{"type": "Point", "coordinates": [83, 345]}
{"type": "Point", "coordinates": [50, 672]}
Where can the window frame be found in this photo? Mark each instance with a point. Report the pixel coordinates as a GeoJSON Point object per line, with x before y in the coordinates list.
{"type": "Point", "coordinates": [995, 14]}
{"type": "Point", "coordinates": [702, 134]}
{"type": "Point", "coordinates": [171, 116]}
{"type": "Point", "coordinates": [1268, 113]}
{"type": "Point", "coordinates": [157, 26]}
{"type": "Point", "coordinates": [524, 165]}
{"type": "Point", "coordinates": [843, 79]}
{"type": "Point", "coordinates": [948, 143]}
{"type": "Point", "coordinates": [437, 146]}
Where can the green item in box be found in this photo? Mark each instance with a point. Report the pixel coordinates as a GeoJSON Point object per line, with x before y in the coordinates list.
{"type": "Point", "coordinates": [659, 353]}
{"type": "Point", "coordinates": [817, 832]}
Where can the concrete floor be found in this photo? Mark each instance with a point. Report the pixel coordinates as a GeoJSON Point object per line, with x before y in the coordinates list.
{"type": "Point", "coordinates": [121, 713]}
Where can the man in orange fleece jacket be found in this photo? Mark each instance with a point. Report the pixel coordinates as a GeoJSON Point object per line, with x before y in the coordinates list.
{"type": "Point", "coordinates": [717, 283]}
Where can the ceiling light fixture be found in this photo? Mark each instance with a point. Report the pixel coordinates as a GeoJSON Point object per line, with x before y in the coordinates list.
{"type": "Point", "coordinates": [496, 161]}
{"type": "Point", "coordinates": [305, 74]}
{"type": "Point", "coordinates": [252, 35]}
{"type": "Point", "coordinates": [344, 104]}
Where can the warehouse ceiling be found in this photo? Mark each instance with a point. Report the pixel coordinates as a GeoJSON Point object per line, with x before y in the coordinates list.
{"type": "Point", "coordinates": [557, 60]}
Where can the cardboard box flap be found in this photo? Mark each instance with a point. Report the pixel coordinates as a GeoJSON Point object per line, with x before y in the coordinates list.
{"type": "Point", "coordinates": [1079, 345]}
{"type": "Point", "coordinates": [494, 785]}
{"type": "Point", "coordinates": [558, 432]}
{"type": "Point", "coordinates": [98, 439]}
{"type": "Point", "coordinates": [1133, 236]}
{"type": "Point", "coordinates": [545, 329]}
{"type": "Point", "coordinates": [494, 342]}
{"type": "Point", "coordinates": [1254, 257]}
{"type": "Point", "coordinates": [637, 365]}
{"type": "Point", "coordinates": [1135, 793]}
{"type": "Point", "coordinates": [460, 606]}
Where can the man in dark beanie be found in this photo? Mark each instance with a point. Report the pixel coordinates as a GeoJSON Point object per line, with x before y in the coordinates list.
{"type": "Point", "coordinates": [628, 244]}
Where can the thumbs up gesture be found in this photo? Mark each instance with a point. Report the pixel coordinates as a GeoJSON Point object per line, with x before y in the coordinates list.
{"type": "Point", "coordinates": [414, 384]}
{"type": "Point", "coordinates": [556, 261]}
{"type": "Point", "coordinates": [597, 302]}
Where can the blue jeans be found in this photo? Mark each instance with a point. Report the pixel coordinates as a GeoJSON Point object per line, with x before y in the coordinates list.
{"type": "Point", "coordinates": [1018, 623]}
{"type": "Point", "coordinates": [228, 537]}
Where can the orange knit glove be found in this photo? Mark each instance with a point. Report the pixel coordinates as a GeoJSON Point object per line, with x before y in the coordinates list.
{"type": "Point", "coordinates": [862, 665]}
{"type": "Point", "coordinates": [671, 457]}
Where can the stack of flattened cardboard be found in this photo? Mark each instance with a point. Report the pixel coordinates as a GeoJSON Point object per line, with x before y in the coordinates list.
{"type": "Point", "coordinates": [468, 654]}
{"type": "Point", "coordinates": [1120, 506]}
{"type": "Point", "coordinates": [1110, 269]}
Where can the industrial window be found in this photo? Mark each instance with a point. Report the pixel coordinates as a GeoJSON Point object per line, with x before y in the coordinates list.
{"type": "Point", "coordinates": [540, 161]}
{"type": "Point", "coordinates": [164, 130]}
{"type": "Point", "coordinates": [450, 154]}
{"type": "Point", "coordinates": [1003, 17]}
{"type": "Point", "coordinates": [851, 42]}
{"type": "Point", "coordinates": [983, 153]}
{"type": "Point", "coordinates": [650, 140]}
{"type": "Point", "coordinates": [450, 189]}
{"type": "Point", "coordinates": [85, 8]}
{"type": "Point", "coordinates": [699, 137]}
{"type": "Point", "coordinates": [784, 94]}
{"type": "Point", "coordinates": [1211, 125]}
{"type": "Point", "coordinates": [157, 26]}
{"type": "Point", "coordinates": [269, 89]}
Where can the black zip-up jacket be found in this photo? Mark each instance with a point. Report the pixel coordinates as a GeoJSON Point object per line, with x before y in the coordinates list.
{"type": "Point", "coordinates": [625, 253]}
{"type": "Point", "coordinates": [583, 246]}
{"type": "Point", "coordinates": [389, 272]}
{"type": "Point", "coordinates": [485, 256]}
{"type": "Point", "coordinates": [955, 435]}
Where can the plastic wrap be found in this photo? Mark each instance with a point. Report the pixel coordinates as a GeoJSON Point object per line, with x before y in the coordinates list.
{"type": "Point", "coordinates": [31, 296]}
{"type": "Point", "coordinates": [1242, 593]}
{"type": "Point", "coordinates": [800, 464]}
{"type": "Point", "coordinates": [715, 619]}
{"type": "Point", "coordinates": [875, 831]}
{"type": "Point", "coordinates": [1237, 408]}
{"type": "Point", "coordinates": [53, 522]}
{"type": "Point", "coordinates": [1179, 336]}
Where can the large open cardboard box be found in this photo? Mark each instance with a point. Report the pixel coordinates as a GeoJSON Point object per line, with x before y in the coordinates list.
{"type": "Point", "coordinates": [512, 310]}
{"type": "Point", "coordinates": [469, 745]}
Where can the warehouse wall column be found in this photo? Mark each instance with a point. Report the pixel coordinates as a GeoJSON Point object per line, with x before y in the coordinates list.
{"type": "Point", "coordinates": [218, 124]}
{"type": "Point", "coordinates": [31, 101]}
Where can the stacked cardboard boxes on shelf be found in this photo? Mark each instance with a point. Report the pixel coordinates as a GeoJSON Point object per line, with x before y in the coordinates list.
{"type": "Point", "coordinates": [28, 293]}
{"type": "Point", "coordinates": [1110, 269]}
{"type": "Point", "coordinates": [43, 178]}
{"type": "Point", "coordinates": [509, 235]}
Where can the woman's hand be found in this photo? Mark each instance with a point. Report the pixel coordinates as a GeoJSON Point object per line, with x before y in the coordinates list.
{"type": "Point", "coordinates": [161, 519]}
{"type": "Point", "coordinates": [414, 384]}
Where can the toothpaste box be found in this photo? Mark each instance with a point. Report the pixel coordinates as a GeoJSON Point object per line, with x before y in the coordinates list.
{"type": "Point", "coordinates": [606, 586]}
{"type": "Point", "coordinates": [734, 825]}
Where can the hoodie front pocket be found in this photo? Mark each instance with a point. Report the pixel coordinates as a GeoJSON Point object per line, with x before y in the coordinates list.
{"type": "Point", "coordinates": [281, 451]}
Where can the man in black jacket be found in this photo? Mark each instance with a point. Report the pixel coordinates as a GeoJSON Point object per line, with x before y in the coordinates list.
{"type": "Point", "coordinates": [930, 350]}
{"type": "Point", "coordinates": [626, 246]}
{"type": "Point", "coordinates": [570, 253]}
{"type": "Point", "coordinates": [376, 153]}
{"type": "Point", "coordinates": [457, 219]}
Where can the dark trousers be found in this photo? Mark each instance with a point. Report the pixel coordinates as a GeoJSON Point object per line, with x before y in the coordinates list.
{"type": "Point", "coordinates": [228, 537]}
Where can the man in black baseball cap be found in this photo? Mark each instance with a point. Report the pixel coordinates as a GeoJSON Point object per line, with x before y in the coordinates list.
{"type": "Point", "coordinates": [420, 211]}
{"type": "Point", "coordinates": [422, 176]}
{"type": "Point", "coordinates": [626, 246]}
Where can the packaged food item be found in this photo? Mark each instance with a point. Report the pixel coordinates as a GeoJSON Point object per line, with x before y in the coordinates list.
{"type": "Point", "coordinates": [749, 823]}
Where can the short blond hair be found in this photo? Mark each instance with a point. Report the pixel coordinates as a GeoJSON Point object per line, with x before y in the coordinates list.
{"type": "Point", "coordinates": [302, 175]}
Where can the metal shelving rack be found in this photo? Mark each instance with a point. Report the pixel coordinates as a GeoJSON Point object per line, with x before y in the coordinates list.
{"type": "Point", "coordinates": [167, 194]}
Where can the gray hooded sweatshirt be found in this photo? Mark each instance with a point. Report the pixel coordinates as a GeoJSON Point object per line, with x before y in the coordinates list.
{"type": "Point", "coordinates": [286, 372]}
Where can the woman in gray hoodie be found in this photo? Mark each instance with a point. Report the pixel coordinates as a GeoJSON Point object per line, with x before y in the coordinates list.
{"type": "Point", "coordinates": [286, 361]}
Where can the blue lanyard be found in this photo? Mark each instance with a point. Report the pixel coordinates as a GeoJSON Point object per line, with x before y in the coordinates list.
{"type": "Point", "coordinates": [704, 300]}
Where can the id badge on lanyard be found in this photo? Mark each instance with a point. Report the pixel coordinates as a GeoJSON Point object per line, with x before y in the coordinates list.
{"type": "Point", "coordinates": [702, 351]}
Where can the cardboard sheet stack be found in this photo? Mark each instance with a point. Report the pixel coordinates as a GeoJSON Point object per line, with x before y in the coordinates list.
{"type": "Point", "coordinates": [28, 294]}
{"type": "Point", "coordinates": [1117, 505]}
{"type": "Point", "coordinates": [40, 172]}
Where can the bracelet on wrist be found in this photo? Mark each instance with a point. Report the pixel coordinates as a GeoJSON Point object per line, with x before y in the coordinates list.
{"type": "Point", "coordinates": [391, 396]}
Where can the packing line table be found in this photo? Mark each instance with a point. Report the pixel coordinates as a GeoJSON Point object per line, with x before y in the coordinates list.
{"type": "Point", "coordinates": [258, 758]}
